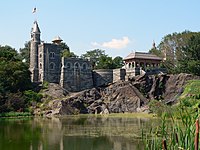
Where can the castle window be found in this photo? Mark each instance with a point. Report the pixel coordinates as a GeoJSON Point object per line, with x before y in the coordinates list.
{"type": "Point", "coordinates": [40, 66]}
{"type": "Point", "coordinates": [76, 66]}
{"type": "Point", "coordinates": [40, 55]}
{"type": "Point", "coordinates": [52, 55]}
{"type": "Point", "coordinates": [129, 65]}
{"type": "Point", "coordinates": [51, 66]}
{"type": "Point", "coordinates": [84, 66]}
{"type": "Point", "coordinates": [68, 66]}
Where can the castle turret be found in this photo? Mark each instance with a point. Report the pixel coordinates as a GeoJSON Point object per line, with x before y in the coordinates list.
{"type": "Point", "coordinates": [35, 41]}
{"type": "Point", "coordinates": [57, 40]}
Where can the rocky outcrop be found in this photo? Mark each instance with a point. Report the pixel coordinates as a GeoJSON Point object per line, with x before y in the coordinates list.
{"type": "Point", "coordinates": [116, 98]}
{"type": "Point", "coordinates": [120, 97]}
{"type": "Point", "coordinates": [165, 87]}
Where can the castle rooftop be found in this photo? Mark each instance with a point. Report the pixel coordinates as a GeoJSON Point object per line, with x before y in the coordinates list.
{"type": "Point", "coordinates": [36, 28]}
{"type": "Point", "coordinates": [142, 55]}
{"type": "Point", "coordinates": [57, 40]}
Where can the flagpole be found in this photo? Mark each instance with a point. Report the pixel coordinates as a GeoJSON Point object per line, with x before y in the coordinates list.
{"type": "Point", "coordinates": [35, 12]}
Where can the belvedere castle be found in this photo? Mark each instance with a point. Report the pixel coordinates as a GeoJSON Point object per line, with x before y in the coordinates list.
{"type": "Point", "coordinates": [73, 74]}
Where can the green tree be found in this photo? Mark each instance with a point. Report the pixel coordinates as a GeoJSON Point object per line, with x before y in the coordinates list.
{"type": "Point", "coordinates": [64, 46]}
{"type": "Point", "coordinates": [14, 74]}
{"type": "Point", "coordinates": [14, 79]}
{"type": "Point", "coordinates": [66, 53]}
{"type": "Point", "coordinates": [171, 47]}
{"type": "Point", "coordinates": [190, 63]}
{"type": "Point", "coordinates": [118, 62]}
{"type": "Point", "coordinates": [105, 62]}
{"type": "Point", "coordinates": [156, 52]}
{"type": "Point", "coordinates": [94, 56]}
{"type": "Point", "coordinates": [25, 52]}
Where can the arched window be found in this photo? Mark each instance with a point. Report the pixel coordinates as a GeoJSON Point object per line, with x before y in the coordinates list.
{"type": "Point", "coordinates": [52, 55]}
{"type": "Point", "coordinates": [40, 55]}
{"type": "Point", "coordinates": [68, 65]}
{"type": "Point", "coordinates": [51, 66]}
{"type": "Point", "coordinates": [76, 66]}
{"type": "Point", "coordinates": [84, 66]}
{"type": "Point", "coordinates": [129, 65]}
{"type": "Point", "coordinates": [40, 66]}
{"type": "Point", "coordinates": [40, 77]}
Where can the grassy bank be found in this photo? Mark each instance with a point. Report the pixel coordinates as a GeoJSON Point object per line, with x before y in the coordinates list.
{"type": "Point", "coordinates": [16, 114]}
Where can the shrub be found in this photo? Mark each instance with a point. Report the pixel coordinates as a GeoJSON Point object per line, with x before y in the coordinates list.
{"type": "Point", "coordinates": [159, 108]}
{"type": "Point", "coordinates": [31, 96]}
{"type": "Point", "coordinates": [45, 85]}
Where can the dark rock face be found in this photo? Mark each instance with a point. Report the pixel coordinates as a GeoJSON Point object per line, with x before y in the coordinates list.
{"type": "Point", "coordinates": [165, 87]}
{"type": "Point", "coordinates": [124, 96]}
{"type": "Point", "coordinates": [117, 98]}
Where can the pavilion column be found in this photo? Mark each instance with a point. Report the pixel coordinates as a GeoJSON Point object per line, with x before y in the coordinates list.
{"type": "Point", "coordinates": [134, 65]}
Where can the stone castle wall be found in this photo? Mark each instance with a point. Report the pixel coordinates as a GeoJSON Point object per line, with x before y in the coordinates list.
{"type": "Point", "coordinates": [102, 77]}
{"type": "Point", "coordinates": [49, 63]}
{"type": "Point", "coordinates": [73, 74]}
{"type": "Point", "coordinates": [105, 76]}
{"type": "Point", "coordinates": [76, 74]}
{"type": "Point", "coordinates": [119, 74]}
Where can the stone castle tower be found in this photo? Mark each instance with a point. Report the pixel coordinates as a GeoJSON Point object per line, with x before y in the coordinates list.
{"type": "Point", "coordinates": [35, 41]}
{"type": "Point", "coordinates": [73, 74]}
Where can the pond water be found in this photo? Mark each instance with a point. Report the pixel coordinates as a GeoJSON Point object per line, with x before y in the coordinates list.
{"type": "Point", "coordinates": [74, 133]}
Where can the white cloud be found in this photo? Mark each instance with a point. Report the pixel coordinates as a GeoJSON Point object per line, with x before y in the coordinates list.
{"type": "Point", "coordinates": [114, 43]}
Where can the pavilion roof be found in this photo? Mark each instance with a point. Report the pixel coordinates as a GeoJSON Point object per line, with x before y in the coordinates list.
{"type": "Point", "coordinates": [142, 55]}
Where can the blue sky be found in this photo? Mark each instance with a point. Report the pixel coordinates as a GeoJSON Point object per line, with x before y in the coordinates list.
{"type": "Point", "coordinates": [117, 26]}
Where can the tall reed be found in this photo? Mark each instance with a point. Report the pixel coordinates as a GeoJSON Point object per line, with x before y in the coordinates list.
{"type": "Point", "coordinates": [174, 134]}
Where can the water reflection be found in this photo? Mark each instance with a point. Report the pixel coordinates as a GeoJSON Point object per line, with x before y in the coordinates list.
{"type": "Point", "coordinates": [74, 133]}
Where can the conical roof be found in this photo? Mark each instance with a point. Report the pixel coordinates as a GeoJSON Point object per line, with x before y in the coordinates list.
{"type": "Point", "coordinates": [57, 39]}
{"type": "Point", "coordinates": [36, 28]}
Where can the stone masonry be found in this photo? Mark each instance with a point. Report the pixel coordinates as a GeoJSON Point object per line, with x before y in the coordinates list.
{"type": "Point", "coordinates": [73, 74]}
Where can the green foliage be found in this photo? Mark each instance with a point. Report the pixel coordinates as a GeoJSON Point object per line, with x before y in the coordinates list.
{"type": "Point", "coordinates": [25, 52]}
{"type": "Point", "coordinates": [118, 62]}
{"type": "Point", "coordinates": [16, 114]}
{"type": "Point", "coordinates": [31, 96]}
{"type": "Point", "coordinates": [64, 46]}
{"type": "Point", "coordinates": [179, 134]}
{"type": "Point", "coordinates": [45, 85]}
{"type": "Point", "coordinates": [94, 56]}
{"type": "Point", "coordinates": [7, 53]}
{"type": "Point", "coordinates": [66, 53]}
{"type": "Point", "coordinates": [156, 52]}
{"type": "Point", "coordinates": [191, 95]}
{"type": "Point", "coordinates": [190, 63]}
{"type": "Point", "coordinates": [102, 61]}
{"type": "Point", "coordinates": [177, 48]}
{"type": "Point", "coordinates": [14, 74]}
{"type": "Point", "coordinates": [105, 62]}
{"type": "Point", "coordinates": [159, 108]}
{"type": "Point", "coordinates": [14, 79]}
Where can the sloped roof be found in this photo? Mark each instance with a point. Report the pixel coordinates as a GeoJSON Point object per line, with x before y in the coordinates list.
{"type": "Point", "coordinates": [35, 28]}
{"type": "Point", "coordinates": [57, 38]}
{"type": "Point", "coordinates": [142, 55]}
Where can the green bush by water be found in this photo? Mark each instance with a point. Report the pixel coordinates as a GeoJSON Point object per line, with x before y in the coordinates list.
{"type": "Point", "coordinates": [179, 134]}
{"type": "Point", "coordinates": [15, 114]}
{"type": "Point", "coordinates": [177, 122]}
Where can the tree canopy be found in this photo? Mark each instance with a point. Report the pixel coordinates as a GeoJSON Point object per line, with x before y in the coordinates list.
{"type": "Point", "coordinates": [25, 52]}
{"type": "Point", "coordinates": [102, 61]}
{"type": "Point", "coordinates": [190, 62]}
{"type": "Point", "coordinates": [172, 48]}
{"type": "Point", "coordinates": [14, 78]}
